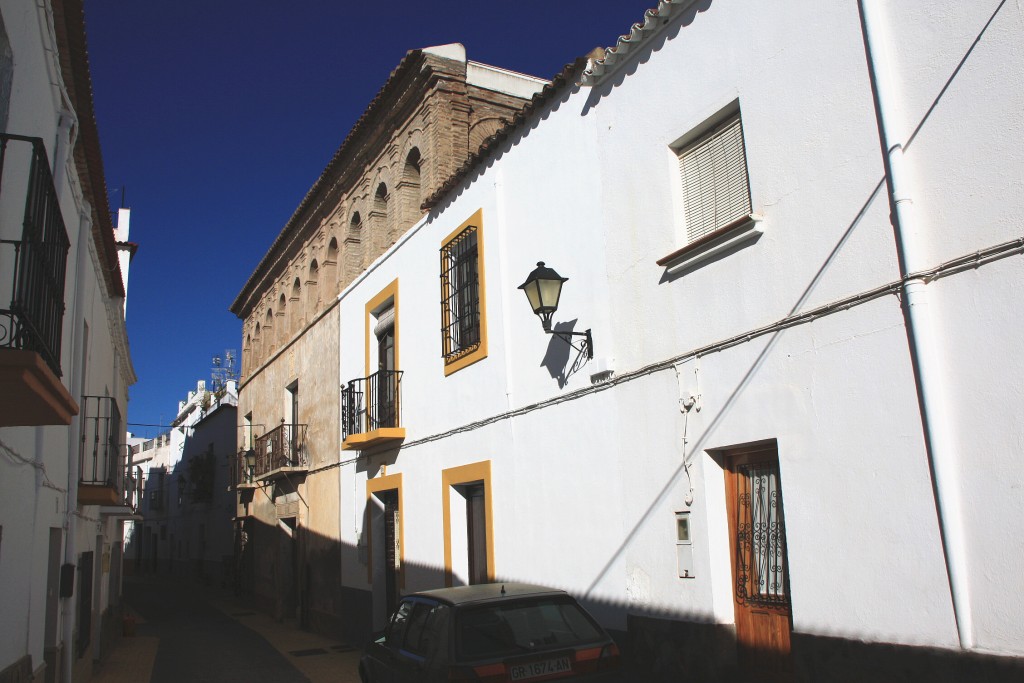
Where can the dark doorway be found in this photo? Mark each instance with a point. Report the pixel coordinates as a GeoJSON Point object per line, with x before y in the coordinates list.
{"type": "Point", "coordinates": [476, 534]}
{"type": "Point", "coordinates": [85, 566]}
{"type": "Point", "coordinates": [392, 553]}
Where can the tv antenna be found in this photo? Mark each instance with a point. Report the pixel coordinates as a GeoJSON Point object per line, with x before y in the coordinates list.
{"type": "Point", "coordinates": [223, 369]}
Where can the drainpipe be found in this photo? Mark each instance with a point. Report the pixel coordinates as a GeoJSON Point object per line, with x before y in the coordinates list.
{"type": "Point", "coordinates": [928, 366]}
{"type": "Point", "coordinates": [70, 549]}
{"type": "Point", "coordinates": [65, 122]}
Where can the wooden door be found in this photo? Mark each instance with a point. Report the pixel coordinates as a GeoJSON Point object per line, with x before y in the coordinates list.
{"type": "Point", "coordinates": [476, 534]}
{"type": "Point", "coordinates": [392, 549]}
{"type": "Point", "coordinates": [760, 572]}
{"type": "Point", "coordinates": [386, 394]}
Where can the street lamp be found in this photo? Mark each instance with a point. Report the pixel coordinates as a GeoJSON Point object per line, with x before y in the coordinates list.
{"type": "Point", "coordinates": [250, 463]}
{"type": "Point", "coordinates": [543, 288]}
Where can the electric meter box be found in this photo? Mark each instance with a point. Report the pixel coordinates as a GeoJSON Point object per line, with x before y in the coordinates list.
{"type": "Point", "coordinates": [684, 545]}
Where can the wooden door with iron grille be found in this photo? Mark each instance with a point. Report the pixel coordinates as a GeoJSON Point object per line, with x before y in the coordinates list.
{"type": "Point", "coordinates": [392, 549]}
{"type": "Point", "coordinates": [760, 573]}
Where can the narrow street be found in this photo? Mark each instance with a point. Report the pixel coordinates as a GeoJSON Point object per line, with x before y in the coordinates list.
{"type": "Point", "coordinates": [190, 632]}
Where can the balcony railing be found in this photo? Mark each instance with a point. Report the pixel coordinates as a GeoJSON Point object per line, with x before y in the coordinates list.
{"type": "Point", "coordinates": [281, 448]}
{"type": "Point", "coordinates": [33, 319]}
{"type": "Point", "coordinates": [101, 457]}
{"type": "Point", "coordinates": [371, 410]}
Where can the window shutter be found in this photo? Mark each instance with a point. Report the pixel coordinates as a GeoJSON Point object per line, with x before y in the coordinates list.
{"type": "Point", "coordinates": [716, 190]}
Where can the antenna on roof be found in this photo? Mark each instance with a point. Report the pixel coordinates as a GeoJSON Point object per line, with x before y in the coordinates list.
{"type": "Point", "coordinates": [224, 369]}
{"type": "Point", "coordinates": [124, 193]}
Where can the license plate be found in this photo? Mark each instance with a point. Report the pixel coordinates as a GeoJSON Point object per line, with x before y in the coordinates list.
{"type": "Point", "coordinates": [522, 672]}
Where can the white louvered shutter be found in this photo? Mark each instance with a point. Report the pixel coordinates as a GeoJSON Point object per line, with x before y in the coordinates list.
{"type": "Point", "coordinates": [715, 186]}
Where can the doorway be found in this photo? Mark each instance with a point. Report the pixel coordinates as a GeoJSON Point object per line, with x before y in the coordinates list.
{"type": "Point", "coordinates": [468, 518]}
{"type": "Point", "coordinates": [385, 408]}
{"type": "Point", "coordinates": [476, 534]}
{"type": "Point", "coordinates": [392, 552]}
{"type": "Point", "coordinates": [757, 540]}
{"type": "Point", "coordinates": [84, 616]}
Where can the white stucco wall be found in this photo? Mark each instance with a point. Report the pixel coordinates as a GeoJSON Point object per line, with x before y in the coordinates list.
{"type": "Point", "coordinates": [585, 491]}
{"type": "Point", "coordinates": [38, 475]}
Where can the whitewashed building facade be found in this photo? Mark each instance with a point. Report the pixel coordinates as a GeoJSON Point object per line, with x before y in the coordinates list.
{"type": "Point", "coordinates": [186, 502]}
{"type": "Point", "coordinates": [65, 366]}
{"type": "Point", "coordinates": [790, 230]}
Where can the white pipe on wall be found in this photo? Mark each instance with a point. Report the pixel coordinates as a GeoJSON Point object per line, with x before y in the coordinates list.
{"type": "Point", "coordinates": [929, 368]}
{"type": "Point", "coordinates": [77, 379]}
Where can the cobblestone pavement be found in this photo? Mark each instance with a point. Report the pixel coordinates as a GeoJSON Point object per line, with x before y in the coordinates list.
{"type": "Point", "coordinates": [190, 633]}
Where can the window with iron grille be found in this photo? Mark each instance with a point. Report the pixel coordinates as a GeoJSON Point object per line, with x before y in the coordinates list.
{"type": "Point", "coordinates": [716, 189]}
{"type": "Point", "coordinates": [460, 295]}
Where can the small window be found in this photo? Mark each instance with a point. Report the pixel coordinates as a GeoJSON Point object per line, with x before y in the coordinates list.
{"type": "Point", "coordinates": [460, 295]}
{"type": "Point", "coordinates": [716, 189]}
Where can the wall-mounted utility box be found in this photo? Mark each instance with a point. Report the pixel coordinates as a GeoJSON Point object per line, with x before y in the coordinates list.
{"type": "Point", "coordinates": [684, 545]}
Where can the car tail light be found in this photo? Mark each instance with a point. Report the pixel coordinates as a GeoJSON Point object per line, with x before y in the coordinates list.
{"type": "Point", "coordinates": [609, 658]}
{"type": "Point", "coordinates": [597, 659]}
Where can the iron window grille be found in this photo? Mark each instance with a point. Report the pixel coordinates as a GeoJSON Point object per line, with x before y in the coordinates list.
{"type": "Point", "coordinates": [460, 295]}
{"type": "Point", "coordinates": [33, 321]}
{"type": "Point", "coordinates": [762, 578]}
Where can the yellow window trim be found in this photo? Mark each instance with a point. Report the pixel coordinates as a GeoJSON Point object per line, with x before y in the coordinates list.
{"type": "Point", "coordinates": [390, 482]}
{"type": "Point", "coordinates": [466, 474]}
{"type": "Point", "coordinates": [389, 292]}
{"type": "Point", "coordinates": [480, 352]}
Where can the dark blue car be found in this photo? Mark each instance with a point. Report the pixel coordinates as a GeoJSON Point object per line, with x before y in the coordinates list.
{"type": "Point", "coordinates": [491, 632]}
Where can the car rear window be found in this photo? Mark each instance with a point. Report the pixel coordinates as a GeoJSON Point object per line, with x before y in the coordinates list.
{"type": "Point", "coordinates": [519, 626]}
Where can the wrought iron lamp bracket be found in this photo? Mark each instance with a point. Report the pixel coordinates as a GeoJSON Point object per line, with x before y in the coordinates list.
{"type": "Point", "coordinates": [585, 346]}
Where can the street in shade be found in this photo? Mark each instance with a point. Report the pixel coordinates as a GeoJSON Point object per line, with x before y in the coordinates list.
{"type": "Point", "coordinates": [199, 642]}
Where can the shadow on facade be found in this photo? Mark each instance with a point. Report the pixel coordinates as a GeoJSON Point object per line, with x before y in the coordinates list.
{"type": "Point", "coordinates": [659, 645]}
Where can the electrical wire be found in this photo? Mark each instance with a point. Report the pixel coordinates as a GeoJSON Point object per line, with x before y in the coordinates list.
{"type": "Point", "coordinates": [945, 269]}
{"type": "Point", "coordinates": [19, 459]}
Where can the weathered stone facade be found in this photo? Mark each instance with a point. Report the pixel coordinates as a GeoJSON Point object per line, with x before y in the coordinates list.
{"type": "Point", "coordinates": [433, 112]}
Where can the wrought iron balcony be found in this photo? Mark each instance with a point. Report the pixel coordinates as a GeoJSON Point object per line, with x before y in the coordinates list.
{"type": "Point", "coordinates": [32, 297]}
{"type": "Point", "coordinates": [101, 458]}
{"type": "Point", "coordinates": [371, 411]}
{"type": "Point", "coordinates": [281, 451]}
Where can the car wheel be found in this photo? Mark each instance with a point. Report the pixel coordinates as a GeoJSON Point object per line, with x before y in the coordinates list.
{"type": "Point", "coordinates": [364, 676]}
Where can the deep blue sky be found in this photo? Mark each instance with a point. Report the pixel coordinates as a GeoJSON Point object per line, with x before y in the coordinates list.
{"type": "Point", "coordinates": [218, 115]}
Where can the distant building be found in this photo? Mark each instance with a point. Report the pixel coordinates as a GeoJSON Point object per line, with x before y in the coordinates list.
{"type": "Point", "coordinates": [429, 117]}
{"type": "Point", "coordinates": [65, 366]}
{"type": "Point", "coordinates": [186, 500]}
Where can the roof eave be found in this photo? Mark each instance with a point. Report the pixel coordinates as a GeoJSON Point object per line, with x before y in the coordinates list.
{"type": "Point", "coordinates": [409, 67]}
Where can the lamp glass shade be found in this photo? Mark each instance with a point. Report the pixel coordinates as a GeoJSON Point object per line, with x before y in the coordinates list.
{"type": "Point", "coordinates": [250, 458]}
{"type": "Point", "coordinates": [543, 288]}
